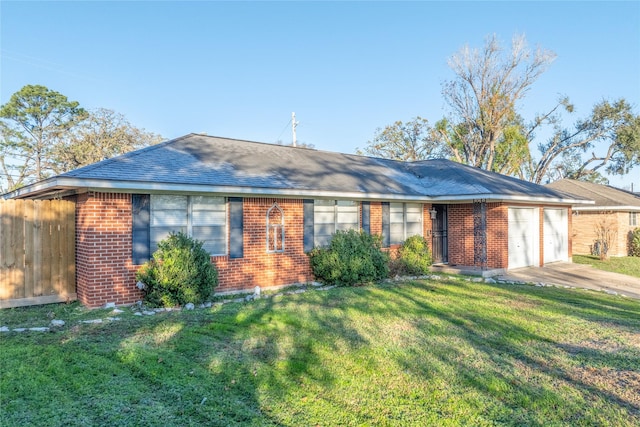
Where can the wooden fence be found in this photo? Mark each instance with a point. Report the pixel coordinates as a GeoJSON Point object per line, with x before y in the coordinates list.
{"type": "Point", "coordinates": [37, 252]}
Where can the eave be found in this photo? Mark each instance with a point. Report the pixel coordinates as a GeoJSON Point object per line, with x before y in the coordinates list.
{"type": "Point", "coordinates": [61, 186]}
{"type": "Point", "coordinates": [608, 208]}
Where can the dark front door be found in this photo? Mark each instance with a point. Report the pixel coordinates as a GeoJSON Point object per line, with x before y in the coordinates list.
{"type": "Point", "coordinates": [439, 241]}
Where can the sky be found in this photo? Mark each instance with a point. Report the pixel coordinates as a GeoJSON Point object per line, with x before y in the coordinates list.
{"type": "Point", "coordinates": [239, 69]}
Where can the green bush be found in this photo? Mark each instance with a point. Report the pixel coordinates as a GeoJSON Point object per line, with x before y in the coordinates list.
{"type": "Point", "coordinates": [180, 272]}
{"type": "Point", "coordinates": [634, 249]}
{"type": "Point", "coordinates": [353, 257]}
{"type": "Point", "coordinates": [414, 257]}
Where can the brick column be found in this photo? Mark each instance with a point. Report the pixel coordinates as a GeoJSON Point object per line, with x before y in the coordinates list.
{"type": "Point", "coordinates": [104, 273]}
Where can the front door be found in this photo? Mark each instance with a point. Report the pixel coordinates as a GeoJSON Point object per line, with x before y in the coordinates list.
{"type": "Point", "coordinates": [439, 240]}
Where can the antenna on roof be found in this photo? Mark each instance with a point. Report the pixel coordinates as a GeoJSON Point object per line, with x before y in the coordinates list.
{"type": "Point", "coordinates": [293, 127]}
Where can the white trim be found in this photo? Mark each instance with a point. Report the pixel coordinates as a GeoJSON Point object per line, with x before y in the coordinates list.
{"type": "Point", "coordinates": [609, 208]}
{"type": "Point", "coordinates": [68, 183]}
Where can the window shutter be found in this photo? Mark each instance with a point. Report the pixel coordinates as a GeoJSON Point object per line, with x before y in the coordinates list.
{"type": "Point", "coordinates": [236, 223]}
{"type": "Point", "coordinates": [386, 225]}
{"type": "Point", "coordinates": [308, 225]}
{"type": "Point", "coordinates": [140, 232]}
{"type": "Point", "coordinates": [366, 217]}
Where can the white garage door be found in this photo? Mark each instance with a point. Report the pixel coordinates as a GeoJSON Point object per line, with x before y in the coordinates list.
{"type": "Point", "coordinates": [556, 235]}
{"type": "Point", "coordinates": [523, 237]}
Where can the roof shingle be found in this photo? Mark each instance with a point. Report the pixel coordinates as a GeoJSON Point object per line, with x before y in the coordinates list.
{"type": "Point", "coordinates": [202, 162]}
{"type": "Point", "coordinates": [602, 195]}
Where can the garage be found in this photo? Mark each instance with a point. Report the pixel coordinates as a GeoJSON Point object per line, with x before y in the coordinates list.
{"type": "Point", "coordinates": [524, 235]}
{"type": "Point", "coordinates": [556, 235]}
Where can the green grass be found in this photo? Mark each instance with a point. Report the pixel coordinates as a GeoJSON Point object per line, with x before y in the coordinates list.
{"type": "Point", "coordinates": [421, 353]}
{"type": "Point", "coordinates": [624, 265]}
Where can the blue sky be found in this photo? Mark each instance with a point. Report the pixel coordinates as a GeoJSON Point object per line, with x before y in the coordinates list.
{"type": "Point", "coordinates": [238, 69]}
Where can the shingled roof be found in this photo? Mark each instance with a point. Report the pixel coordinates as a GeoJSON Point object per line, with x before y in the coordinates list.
{"type": "Point", "coordinates": [604, 196]}
{"type": "Point", "coordinates": [206, 164]}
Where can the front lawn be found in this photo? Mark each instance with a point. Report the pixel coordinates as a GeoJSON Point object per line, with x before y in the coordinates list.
{"type": "Point", "coordinates": [628, 265]}
{"type": "Point", "coordinates": [447, 352]}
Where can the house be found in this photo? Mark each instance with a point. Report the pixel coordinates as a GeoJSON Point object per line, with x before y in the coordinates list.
{"type": "Point", "coordinates": [259, 208]}
{"type": "Point", "coordinates": [614, 209]}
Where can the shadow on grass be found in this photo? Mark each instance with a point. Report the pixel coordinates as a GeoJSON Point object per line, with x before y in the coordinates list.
{"type": "Point", "coordinates": [511, 348]}
{"type": "Point", "coordinates": [254, 364]}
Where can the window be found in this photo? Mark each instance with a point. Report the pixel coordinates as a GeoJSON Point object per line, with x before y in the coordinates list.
{"type": "Point", "coordinates": [405, 220]}
{"type": "Point", "coordinates": [633, 219]}
{"type": "Point", "coordinates": [201, 217]}
{"type": "Point", "coordinates": [331, 216]}
{"type": "Point", "coordinates": [275, 229]}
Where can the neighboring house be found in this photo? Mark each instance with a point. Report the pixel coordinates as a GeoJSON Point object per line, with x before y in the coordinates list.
{"type": "Point", "coordinates": [259, 208]}
{"type": "Point", "coordinates": [614, 209]}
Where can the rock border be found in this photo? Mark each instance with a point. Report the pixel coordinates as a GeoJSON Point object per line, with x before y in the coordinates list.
{"type": "Point", "coordinates": [140, 310]}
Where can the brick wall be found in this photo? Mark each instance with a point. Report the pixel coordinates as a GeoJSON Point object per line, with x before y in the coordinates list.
{"type": "Point", "coordinates": [376, 218]}
{"type": "Point", "coordinates": [624, 238]}
{"type": "Point", "coordinates": [460, 234]}
{"type": "Point", "coordinates": [461, 239]}
{"type": "Point", "coordinates": [103, 245]}
{"type": "Point", "coordinates": [104, 272]}
{"type": "Point", "coordinates": [257, 267]}
{"type": "Point", "coordinates": [497, 235]}
{"type": "Point", "coordinates": [426, 223]}
{"type": "Point", "coordinates": [103, 250]}
{"type": "Point", "coordinates": [584, 231]}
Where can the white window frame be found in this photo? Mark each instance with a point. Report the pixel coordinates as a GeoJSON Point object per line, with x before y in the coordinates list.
{"type": "Point", "coordinates": [191, 217]}
{"type": "Point", "coordinates": [403, 211]}
{"type": "Point", "coordinates": [338, 210]}
{"type": "Point", "coordinates": [633, 219]}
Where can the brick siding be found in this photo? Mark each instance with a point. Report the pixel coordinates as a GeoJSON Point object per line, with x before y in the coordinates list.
{"type": "Point", "coordinates": [497, 235]}
{"type": "Point", "coordinates": [257, 267]}
{"type": "Point", "coordinates": [584, 231]}
{"type": "Point", "coordinates": [104, 267]}
{"type": "Point", "coordinates": [105, 273]}
{"type": "Point", "coordinates": [375, 213]}
{"type": "Point", "coordinates": [461, 238]}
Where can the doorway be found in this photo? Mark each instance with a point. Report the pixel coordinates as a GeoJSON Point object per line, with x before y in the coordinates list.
{"type": "Point", "coordinates": [439, 239]}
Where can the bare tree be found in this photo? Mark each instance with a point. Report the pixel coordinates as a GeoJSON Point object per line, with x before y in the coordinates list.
{"type": "Point", "coordinates": [605, 235]}
{"type": "Point", "coordinates": [482, 101]}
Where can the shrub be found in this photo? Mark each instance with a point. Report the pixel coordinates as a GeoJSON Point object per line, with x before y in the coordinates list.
{"type": "Point", "coordinates": [180, 272]}
{"type": "Point", "coordinates": [635, 243]}
{"type": "Point", "coordinates": [353, 257]}
{"type": "Point", "coordinates": [414, 257]}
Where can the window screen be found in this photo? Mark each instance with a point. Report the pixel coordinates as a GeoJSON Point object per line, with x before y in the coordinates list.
{"type": "Point", "coordinates": [201, 217]}
{"type": "Point", "coordinates": [396, 223]}
{"type": "Point", "coordinates": [405, 220]}
{"type": "Point", "coordinates": [209, 223]}
{"type": "Point", "coordinates": [332, 215]}
{"type": "Point", "coordinates": [168, 214]}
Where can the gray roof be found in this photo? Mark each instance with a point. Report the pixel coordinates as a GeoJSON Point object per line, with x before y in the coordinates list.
{"type": "Point", "coordinates": [604, 196]}
{"type": "Point", "coordinates": [201, 163]}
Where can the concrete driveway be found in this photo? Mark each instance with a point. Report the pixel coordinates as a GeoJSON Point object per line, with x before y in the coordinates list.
{"type": "Point", "coordinates": [578, 275]}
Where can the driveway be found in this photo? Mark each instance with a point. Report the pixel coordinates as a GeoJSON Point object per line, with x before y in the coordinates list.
{"type": "Point", "coordinates": [578, 275]}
